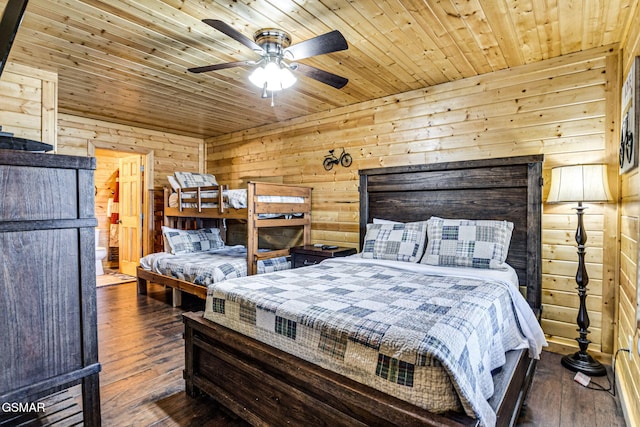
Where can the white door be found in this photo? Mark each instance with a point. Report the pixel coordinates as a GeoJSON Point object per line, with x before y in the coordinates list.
{"type": "Point", "coordinates": [130, 206]}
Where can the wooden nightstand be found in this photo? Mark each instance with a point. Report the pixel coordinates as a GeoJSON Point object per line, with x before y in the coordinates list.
{"type": "Point", "coordinates": [302, 256]}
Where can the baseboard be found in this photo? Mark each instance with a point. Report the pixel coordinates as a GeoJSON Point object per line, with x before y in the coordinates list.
{"type": "Point", "coordinates": [624, 404]}
{"type": "Point", "coordinates": [563, 348]}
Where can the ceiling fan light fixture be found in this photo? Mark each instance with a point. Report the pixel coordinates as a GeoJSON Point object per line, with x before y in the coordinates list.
{"type": "Point", "coordinates": [287, 79]}
{"type": "Point", "coordinates": [258, 77]}
{"type": "Point", "coordinates": [272, 77]}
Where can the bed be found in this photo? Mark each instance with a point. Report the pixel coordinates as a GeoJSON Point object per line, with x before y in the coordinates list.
{"type": "Point", "coordinates": [268, 205]}
{"type": "Point", "coordinates": [193, 271]}
{"type": "Point", "coordinates": [266, 385]}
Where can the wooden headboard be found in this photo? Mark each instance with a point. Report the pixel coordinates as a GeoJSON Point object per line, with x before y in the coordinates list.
{"type": "Point", "coordinates": [500, 189]}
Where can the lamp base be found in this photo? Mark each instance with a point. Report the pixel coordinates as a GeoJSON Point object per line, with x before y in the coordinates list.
{"type": "Point", "coordinates": [583, 362]}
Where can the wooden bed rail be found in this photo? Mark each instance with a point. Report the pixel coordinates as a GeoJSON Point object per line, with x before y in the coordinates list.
{"type": "Point", "coordinates": [256, 208]}
{"type": "Point", "coordinates": [218, 199]}
{"type": "Point", "coordinates": [254, 191]}
{"type": "Point", "coordinates": [259, 214]}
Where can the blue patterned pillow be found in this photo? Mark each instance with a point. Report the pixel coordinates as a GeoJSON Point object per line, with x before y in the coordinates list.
{"type": "Point", "coordinates": [396, 242]}
{"type": "Point", "coordinates": [185, 241]}
{"type": "Point", "coordinates": [467, 243]}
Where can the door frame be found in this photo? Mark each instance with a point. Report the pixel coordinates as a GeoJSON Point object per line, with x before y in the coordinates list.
{"type": "Point", "coordinates": [147, 183]}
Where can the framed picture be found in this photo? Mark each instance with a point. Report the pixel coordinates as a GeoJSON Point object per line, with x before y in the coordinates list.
{"type": "Point", "coordinates": [630, 119]}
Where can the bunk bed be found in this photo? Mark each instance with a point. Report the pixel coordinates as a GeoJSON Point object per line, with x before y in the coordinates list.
{"type": "Point", "coordinates": [271, 381]}
{"type": "Point", "coordinates": [268, 205]}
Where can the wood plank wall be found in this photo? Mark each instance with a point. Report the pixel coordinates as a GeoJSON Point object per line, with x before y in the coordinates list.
{"type": "Point", "coordinates": [28, 108]}
{"type": "Point", "coordinates": [80, 136]}
{"type": "Point", "coordinates": [28, 105]}
{"type": "Point", "coordinates": [166, 153]}
{"type": "Point", "coordinates": [556, 107]}
{"type": "Point", "coordinates": [628, 371]}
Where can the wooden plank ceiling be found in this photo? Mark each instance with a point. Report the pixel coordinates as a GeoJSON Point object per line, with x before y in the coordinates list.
{"type": "Point", "coordinates": [126, 60]}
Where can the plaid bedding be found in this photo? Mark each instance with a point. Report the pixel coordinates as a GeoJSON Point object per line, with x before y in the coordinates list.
{"type": "Point", "coordinates": [206, 267]}
{"type": "Point", "coordinates": [192, 179]}
{"type": "Point", "coordinates": [431, 340]}
{"type": "Point", "coordinates": [236, 199]}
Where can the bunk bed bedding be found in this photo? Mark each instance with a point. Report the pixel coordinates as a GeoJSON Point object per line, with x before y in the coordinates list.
{"type": "Point", "coordinates": [403, 328]}
{"type": "Point", "coordinates": [235, 198]}
{"type": "Point", "coordinates": [207, 267]}
{"type": "Point", "coordinates": [200, 191]}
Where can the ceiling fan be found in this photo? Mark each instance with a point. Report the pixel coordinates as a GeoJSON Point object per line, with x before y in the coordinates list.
{"type": "Point", "coordinates": [274, 68]}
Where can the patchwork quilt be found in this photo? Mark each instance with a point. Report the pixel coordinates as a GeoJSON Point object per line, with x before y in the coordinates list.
{"type": "Point", "coordinates": [432, 340]}
{"type": "Point", "coordinates": [206, 267]}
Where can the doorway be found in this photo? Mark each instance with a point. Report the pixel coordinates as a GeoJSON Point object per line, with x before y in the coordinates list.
{"type": "Point", "coordinates": [118, 209]}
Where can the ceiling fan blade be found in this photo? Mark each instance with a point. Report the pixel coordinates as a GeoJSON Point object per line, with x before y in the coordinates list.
{"type": "Point", "coordinates": [215, 67]}
{"type": "Point", "coordinates": [321, 75]}
{"type": "Point", "coordinates": [234, 34]}
{"type": "Point", "coordinates": [325, 43]}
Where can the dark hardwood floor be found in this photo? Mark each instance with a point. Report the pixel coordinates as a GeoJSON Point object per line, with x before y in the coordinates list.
{"type": "Point", "coordinates": [141, 351]}
{"type": "Point", "coordinates": [555, 399]}
{"type": "Point", "coordinates": [142, 354]}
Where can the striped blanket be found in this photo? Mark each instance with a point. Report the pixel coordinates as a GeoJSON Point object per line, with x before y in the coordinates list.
{"type": "Point", "coordinates": [431, 340]}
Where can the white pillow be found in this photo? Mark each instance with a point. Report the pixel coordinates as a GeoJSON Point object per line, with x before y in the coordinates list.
{"type": "Point", "coordinates": [384, 221]}
{"type": "Point", "coordinates": [467, 243]}
{"type": "Point", "coordinates": [174, 184]}
{"type": "Point", "coordinates": [395, 241]}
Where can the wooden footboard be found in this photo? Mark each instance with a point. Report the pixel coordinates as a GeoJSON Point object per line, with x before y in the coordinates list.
{"type": "Point", "coordinates": [266, 386]}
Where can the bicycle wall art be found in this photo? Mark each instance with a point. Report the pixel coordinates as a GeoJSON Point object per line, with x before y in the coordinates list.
{"type": "Point", "coordinates": [330, 159]}
{"type": "Point", "coordinates": [630, 119]}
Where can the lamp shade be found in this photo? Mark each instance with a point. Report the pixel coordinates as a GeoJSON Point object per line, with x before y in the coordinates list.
{"type": "Point", "coordinates": [579, 183]}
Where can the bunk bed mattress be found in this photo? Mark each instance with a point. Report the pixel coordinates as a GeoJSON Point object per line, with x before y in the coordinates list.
{"type": "Point", "coordinates": [236, 199]}
{"type": "Point", "coordinates": [206, 267]}
{"type": "Point", "coordinates": [412, 331]}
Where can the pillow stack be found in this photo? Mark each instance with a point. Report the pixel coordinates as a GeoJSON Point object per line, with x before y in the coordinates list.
{"type": "Point", "coordinates": [449, 242]}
